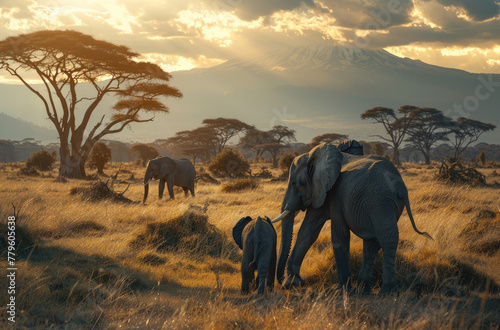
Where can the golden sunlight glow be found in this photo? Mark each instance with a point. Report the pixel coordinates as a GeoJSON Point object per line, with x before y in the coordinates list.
{"type": "Point", "coordinates": [171, 63]}
{"type": "Point", "coordinates": [300, 21]}
{"type": "Point", "coordinates": [472, 59]}
{"type": "Point", "coordinates": [215, 26]}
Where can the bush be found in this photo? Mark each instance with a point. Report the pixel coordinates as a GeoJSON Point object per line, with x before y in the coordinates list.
{"type": "Point", "coordinates": [29, 171]}
{"type": "Point", "coordinates": [189, 233]}
{"type": "Point", "coordinates": [229, 162]}
{"type": "Point", "coordinates": [457, 173]}
{"type": "Point", "coordinates": [285, 161]}
{"type": "Point", "coordinates": [41, 160]}
{"type": "Point", "coordinates": [99, 156]}
{"type": "Point", "coordinates": [99, 191]}
{"type": "Point", "coordinates": [239, 185]}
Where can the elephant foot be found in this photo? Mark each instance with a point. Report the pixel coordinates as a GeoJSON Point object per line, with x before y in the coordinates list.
{"type": "Point", "coordinates": [387, 289]}
{"type": "Point", "coordinates": [364, 287]}
{"type": "Point", "coordinates": [294, 281]}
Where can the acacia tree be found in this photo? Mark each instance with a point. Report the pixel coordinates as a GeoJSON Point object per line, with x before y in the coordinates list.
{"type": "Point", "coordinates": [272, 141]}
{"type": "Point", "coordinates": [145, 152]}
{"type": "Point", "coordinates": [396, 127]}
{"type": "Point", "coordinates": [428, 126]}
{"type": "Point", "coordinates": [225, 129]}
{"type": "Point", "coordinates": [327, 137]}
{"type": "Point", "coordinates": [63, 62]}
{"type": "Point", "coordinates": [195, 143]}
{"type": "Point", "coordinates": [466, 131]}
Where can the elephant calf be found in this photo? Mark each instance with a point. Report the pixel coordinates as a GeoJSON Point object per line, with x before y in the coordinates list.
{"type": "Point", "coordinates": [257, 239]}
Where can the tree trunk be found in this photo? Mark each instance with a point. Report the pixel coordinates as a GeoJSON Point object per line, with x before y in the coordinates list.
{"type": "Point", "coordinates": [72, 162]}
{"type": "Point", "coordinates": [71, 167]}
{"type": "Point", "coordinates": [396, 157]}
{"type": "Point", "coordinates": [427, 157]}
{"type": "Point", "coordinates": [275, 161]}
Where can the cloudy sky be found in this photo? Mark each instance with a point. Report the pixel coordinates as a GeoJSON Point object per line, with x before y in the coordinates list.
{"type": "Point", "coordinates": [184, 34]}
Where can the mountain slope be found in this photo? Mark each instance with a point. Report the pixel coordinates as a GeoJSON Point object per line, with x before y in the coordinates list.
{"type": "Point", "coordinates": [314, 90]}
{"type": "Point", "coordinates": [16, 129]}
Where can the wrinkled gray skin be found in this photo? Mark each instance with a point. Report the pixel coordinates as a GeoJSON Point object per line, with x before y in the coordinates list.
{"type": "Point", "coordinates": [362, 194]}
{"type": "Point", "coordinates": [259, 253]}
{"type": "Point", "coordinates": [179, 173]}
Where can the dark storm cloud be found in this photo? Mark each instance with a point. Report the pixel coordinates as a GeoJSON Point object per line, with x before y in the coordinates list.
{"type": "Point", "coordinates": [478, 10]}
{"type": "Point", "coordinates": [364, 14]}
{"type": "Point", "coordinates": [484, 34]}
{"type": "Point", "coordinates": [253, 9]}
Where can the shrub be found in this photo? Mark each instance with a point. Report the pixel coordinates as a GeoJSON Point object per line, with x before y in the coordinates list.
{"type": "Point", "coordinates": [99, 156]}
{"type": "Point", "coordinates": [285, 161]}
{"type": "Point", "coordinates": [188, 233]}
{"type": "Point", "coordinates": [482, 158]}
{"type": "Point", "coordinates": [99, 191]}
{"type": "Point", "coordinates": [41, 160]}
{"type": "Point", "coordinates": [239, 185]}
{"type": "Point", "coordinates": [229, 162]}
{"type": "Point", "coordinates": [457, 173]}
{"type": "Point", "coordinates": [29, 171]}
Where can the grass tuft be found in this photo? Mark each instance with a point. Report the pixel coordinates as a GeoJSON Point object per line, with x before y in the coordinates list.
{"type": "Point", "coordinates": [189, 232]}
{"type": "Point", "coordinates": [239, 185]}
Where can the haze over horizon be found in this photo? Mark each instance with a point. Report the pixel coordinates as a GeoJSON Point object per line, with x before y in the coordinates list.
{"type": "Point", "coordinates": [184, 35]}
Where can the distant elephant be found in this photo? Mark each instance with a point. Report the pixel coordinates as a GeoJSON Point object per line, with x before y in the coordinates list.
{"type": "Point", "coordinates": [257, 239]}
{"type": "Point", "coordinates": [179, 173]}
{"type": "Point", "coordinates": [362, 194]}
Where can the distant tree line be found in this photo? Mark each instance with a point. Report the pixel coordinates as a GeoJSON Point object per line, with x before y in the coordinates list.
{"type": "Point", "coordinates": [424, 128]}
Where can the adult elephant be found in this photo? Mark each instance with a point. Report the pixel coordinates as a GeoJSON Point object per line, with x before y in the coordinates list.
{"type": "Point", "coordinates": [362, 194]}
{"type": "Point", "coordinates": [179, 173]}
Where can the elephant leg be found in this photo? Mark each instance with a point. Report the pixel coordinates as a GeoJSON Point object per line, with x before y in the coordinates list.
{"type": "Point", "coordinates": [185, 191]}
{"type": "Point", "coordinates": [388, 236]}
{"type": "Point", "coordinates": [247, 269]}
{"type": "Point", "coordinates": [161, 188]}
{"type": "Point", "coordinates": [341, 237]}
{"type": "Point", "coordinates": [370, 250]}
{"type": "Point", "coordinates": [271, 274]}
{"type": "Point", "coordinates": [191, 187]}
{"type": "Point", "coordinates": [262, 272]}
{"type": "Point", "coordinates": [170, 186]}
{"type": "Point", "coordinates": [308, 234]}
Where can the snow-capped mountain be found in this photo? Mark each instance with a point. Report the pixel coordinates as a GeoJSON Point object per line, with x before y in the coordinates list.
{"type": "Point", "coordinates": [315, 89]}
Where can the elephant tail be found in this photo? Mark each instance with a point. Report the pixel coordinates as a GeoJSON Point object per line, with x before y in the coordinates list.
{"type": "Point", "coordinates": [408, 209]}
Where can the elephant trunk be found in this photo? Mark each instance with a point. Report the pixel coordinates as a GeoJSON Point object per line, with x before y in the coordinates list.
{"type": "Point", "coordinates": [147, 178]}
{"type": "Point", "coordinates": [286, 243]}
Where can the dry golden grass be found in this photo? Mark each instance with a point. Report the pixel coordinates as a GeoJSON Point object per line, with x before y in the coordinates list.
{"type": "Point", "coordinates": [98, 264]}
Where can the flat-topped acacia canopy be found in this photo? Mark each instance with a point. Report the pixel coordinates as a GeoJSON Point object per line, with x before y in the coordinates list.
{"type": "Point", "coordinates": [64, 59]}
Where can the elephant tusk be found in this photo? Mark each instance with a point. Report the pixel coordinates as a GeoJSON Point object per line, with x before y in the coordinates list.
{"type": "Point", "coordinates": [281, 217]}
{"type": "Point", "coordinates": [147, 182]}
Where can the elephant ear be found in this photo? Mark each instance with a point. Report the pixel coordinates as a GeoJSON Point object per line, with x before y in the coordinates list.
{"type": "Point", "coordinates": [238, 230]}
{"type": "Point", "coordinates": [352, 147]}
{"type": "Point", "coordinates": [167, 166]}
{"type": "Point", "coordinates": [324, 165]}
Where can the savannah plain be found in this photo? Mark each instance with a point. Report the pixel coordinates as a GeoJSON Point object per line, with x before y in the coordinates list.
{"type": "Point", "coordinates": [102, 264]}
